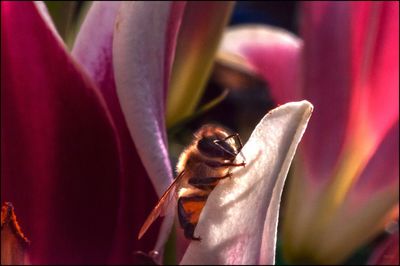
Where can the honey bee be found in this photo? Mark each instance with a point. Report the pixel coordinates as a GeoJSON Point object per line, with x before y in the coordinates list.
{"type": "Point", "coordinates": [207, 160]}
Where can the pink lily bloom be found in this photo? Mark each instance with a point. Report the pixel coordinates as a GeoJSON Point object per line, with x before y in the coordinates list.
{"type": "Point", "coordinates": [345, 185]}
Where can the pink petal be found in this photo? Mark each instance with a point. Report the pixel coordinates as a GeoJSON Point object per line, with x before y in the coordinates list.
{"type": "Point", "coordinates": [140, 67]}
{"type": "Point", "coordinates": [375, 67]}
{"type": "Point", "coordinates": [358, 77]}
{"type": "Point", "coordinates": [274, 53]}
{"type": "Point", "coordinates": [60, 161]}
{"type": "Point", "coordinates": [93, 49]}
{"type": "Point", "coordinates": [387, 253]}
{"type": "Point", "coordinates": [341, 51]}
{"type": "Point", "coordinates": [143, 47]}
{"type": "Point", "coordinates": [369, 205]}
{"type": "Point", "coordinates": [325, 27]}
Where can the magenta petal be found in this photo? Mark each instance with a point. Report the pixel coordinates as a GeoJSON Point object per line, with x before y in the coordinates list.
{"type": "Point", "coordinates": [375, 65]}
{"type": "Point", "coordinates": [325, 28]}
{"type": "Point", "coordinates": [60, 163]}
{"type": "Point", "coordinates": [351, 65]}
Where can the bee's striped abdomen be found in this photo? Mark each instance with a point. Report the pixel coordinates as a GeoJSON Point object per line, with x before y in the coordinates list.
{"type": "Point", "coordinates": [189, 209]}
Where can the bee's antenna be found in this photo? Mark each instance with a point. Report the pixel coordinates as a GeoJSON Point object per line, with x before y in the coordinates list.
{"type": "Point", "coordinates": [241, 146]}
{"type": "Point", "coordinates": [241, 153]}
{"type": "Point", "coordinates": [237, 137]}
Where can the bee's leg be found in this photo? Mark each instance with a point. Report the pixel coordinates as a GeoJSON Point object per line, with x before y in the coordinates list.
{"type": "Point", "coordinates": [218, 164]}
{"type": "Point", "coordinates": [207, 183]}
{"type": "Point", "coordinates": [189, 209]}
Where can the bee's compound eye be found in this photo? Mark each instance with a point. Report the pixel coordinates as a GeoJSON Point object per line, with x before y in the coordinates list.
{"type": "Point", "coordinates": [228, 149]}
{"type": "Point", "coordinates": [209, 148]}
{"type": "Point", "coordinates": [216, 148]}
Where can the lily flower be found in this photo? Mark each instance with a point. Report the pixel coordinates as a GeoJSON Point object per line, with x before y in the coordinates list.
{"type": "Point", "coordinates": [345, 184]}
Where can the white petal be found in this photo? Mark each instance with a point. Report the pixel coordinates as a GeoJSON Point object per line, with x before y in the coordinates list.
{"type": "Point", "coordinates": [138, 57]}
{"type": "Point", "coordinates": [238, 225]}
{"type": "Point", "coordinates": [140, 69]}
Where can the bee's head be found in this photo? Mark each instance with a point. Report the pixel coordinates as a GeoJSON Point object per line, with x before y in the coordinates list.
{"type": "Point", "coordinates": [218, 142]}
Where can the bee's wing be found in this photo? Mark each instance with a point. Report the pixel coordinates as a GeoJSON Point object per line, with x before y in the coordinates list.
{"type": "Point", "coordinates": [162, 205]}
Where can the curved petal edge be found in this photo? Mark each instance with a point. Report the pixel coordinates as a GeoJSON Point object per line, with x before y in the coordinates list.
{"type": "Point", "coordinates": [238, 225]}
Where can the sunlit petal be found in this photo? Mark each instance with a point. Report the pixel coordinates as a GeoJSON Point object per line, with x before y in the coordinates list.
{"type": "Point", "coordinates": [239, 222]}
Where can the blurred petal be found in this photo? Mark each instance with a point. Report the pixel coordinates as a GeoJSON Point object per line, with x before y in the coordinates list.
{"type": "Point", "coordinates": [273, 52]}
{"type": "Point", "coordinates": [143, 45]}
{"type": "Point", "coordinates": [234, 72]}
{"type": "Point", "coordinates": [358, 77]}
{"type": "Point", "coordinates": [60, 159]}
{"type": "Point", "coordinates": [198, 39]}
{"type": "Point", "coordinates": [361, 38]}
{"type": "Point", "coordinates": [368, 206]}
{"type": "Point", "coordinates": [325, 28]}
{"type": "Point", "coordinates": [375, 85]}
{"type": "Point", "coordinates": [239, 222]}
{"type": "Point", "coordinates": [373, 24]}
{"type": "Point", "coordinates": [14, 244]}
{"type": "Point", "coordinates": [375, 48]}
{"type": "Point", "coordinates": [387, 253]}
{"type": "Point", "coordinates": [382, 170]}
